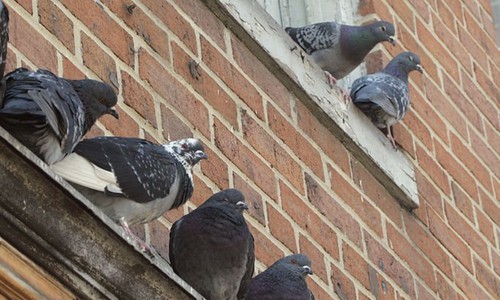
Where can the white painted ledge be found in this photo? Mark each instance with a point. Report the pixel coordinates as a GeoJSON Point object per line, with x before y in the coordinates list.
{"type": "Point", "coordinates": [269, 42]}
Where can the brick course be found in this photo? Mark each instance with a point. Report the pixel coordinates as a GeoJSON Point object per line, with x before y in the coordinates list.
{"type": "Point", "coordinates": [306, 191]}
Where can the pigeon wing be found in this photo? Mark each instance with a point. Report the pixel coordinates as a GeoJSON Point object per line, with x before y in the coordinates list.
{"type": "Point", "coordinates": [315, 37]}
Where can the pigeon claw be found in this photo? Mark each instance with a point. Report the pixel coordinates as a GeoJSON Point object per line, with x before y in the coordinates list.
{"type": "Point", "coordinates": [391, 137]}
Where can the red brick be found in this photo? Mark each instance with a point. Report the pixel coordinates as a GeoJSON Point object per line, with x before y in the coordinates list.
{"type": "Point", "coordinates": [99, 61]}
{"type": "Point", "coordinates": [450, 39]}
{"type": "Point", "coordinates": [256, 206]}
{"type": "Point", "coordinates": [94, 132]}
{"type": "Point", "coordinates": [388, 264]}
{"type": "Point", "coordinates": [488, 24]}
{"type": "Point", "coordinates": [205, 86]}
{"type": "Point", "coordinates": [467, 284]}
{"type": "Point", "coordinates": [215, 168]}
{"type": "Point", "coordinates": [446, 15]}
{"type": "Point", "coordinates": [57, 23]}
{"type": "Point", "coordinates": [361, 206]}
{"type": "Point", "coordinates": [379, 286]}
{"type": "Point", "coordinates": [427, 113]}
{"type": "Point", "coordinates": [26, 4]}
{"type": "Point", "coordinates": [413, 258]}
{"type": "Point", "coordinates": [422, 9]}
{"type": "Point", "coordinates": [232, 77]}
{"type": "Point", "coordinates": [482, 148]}
{"type": "Point", "coordinates": [491, 88]}
{"type": "Point", "coordinates": [329, 207]}
{"type": "Point", "coordinates": [445, 289]}
{"type": "Point", "coordinates": [418, 128]}
{"type": "Point", "coordinates": [137, 97]}
{"type": "Point", "coordinates": [437, 50]}
{"type": "Point", "coordinates": [318, 291]}
{"type": "Point", "coordinates": [159, 236]}
{"type": "Point", "coordinates": [255, 69]}
{"type": "Point", "coordinates": [173, 92]}
{"type": "Point", "coordinates": [404, 12]}
{"type": "Point", "coordinates": [377, 193]}
{"type": "Point", "coordinates": [104, 27]}
{"type": "Point", "coordinates": [125, 126]}
{"type": "Point", "coordinates": [453, 167]}
{"type": "Point", "coordinates": [343, 286]}
{"type": "Point", "coordinates": [355, 264]}
{"type": "Point", "coordinates": [435, 172]}
{"type": "Point", "coordinates": [244, 159]}
{"type": "Point", "coordinates": [71, 71]}
{"type": "Point", "coordinates": [175, 214]}
{"type": "Point", "coordinates": [10, 63]}
{"type": "Point", "coordinates": [322, 136]}
{"type": "Point", "coordinates": [467, 232]}
{"type": "Point", "coordinates": [472, 7]}
{"type": "Point", "coordinates": [474, 49]}
{"type": "Point", "coordinates": [307, 219]}
{"type": "Point", "coordinates": [449, 240]}
{"type": "Point", "coordinates": [281, 228]}
{"type": "Point", "coordinates": [495, 258]}
{"type": "Point", "coordinates": [271, 150]}
{"type": "Point", "coordinates": [265, 250]}
{"type": "Point", "coordinates": [429, 246]}
{"type": "Point", "coordinates": [143, 25]}
{"type": "Point", "coordinates": [316, 256]}
{"type": "Point", "coordinates": [462, 201]}
{"type": "Point", "coordinates": [201, 191]}
{"type": "Point", "coordinates": [404, 138]}
{"type": "Point", "coordinates": [422, 293]}
{"type": "Point", "coordinates": [173, 127]}
{"type": "Point", "coordinates": [471, 162]}
{"type": "Point", "coordinates": [295, 141]}
{"type": "Point", "coordinates": [205, 19]}
{"type": "Point", "coordinates": [490, 206]}
{"type": "Point", "coordinates": [488, 280]}
{"type": "Point", "coordinates": [366, 7]}
{"type": "Point", "coordinates": [31, 43]}
{"type": "Point", "coordinates": [485, 106]}
{"type": "Point", "coordinates": [486, 226]}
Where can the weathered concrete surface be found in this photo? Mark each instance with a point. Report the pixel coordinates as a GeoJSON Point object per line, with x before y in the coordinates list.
{"type": "Point", "coordinates": [269, 42]}
{"type": "Point", "coordinates": [57, 228]}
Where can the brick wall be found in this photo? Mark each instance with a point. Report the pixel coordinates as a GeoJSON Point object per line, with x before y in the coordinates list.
{"type": "Point", "coordinates": [307, 193]}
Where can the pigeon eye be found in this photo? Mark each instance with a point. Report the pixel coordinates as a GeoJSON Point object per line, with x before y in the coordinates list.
{"type": "Point", "coordinates": [383, 28]}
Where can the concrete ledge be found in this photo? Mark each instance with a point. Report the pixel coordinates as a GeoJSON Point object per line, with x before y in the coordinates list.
{"type": "Point", "coordinates": [47, 220]}
{"type": "Point", "coordinates": [269, 42]}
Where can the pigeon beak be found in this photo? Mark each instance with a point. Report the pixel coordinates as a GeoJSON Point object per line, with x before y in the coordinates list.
{"type": "Point", "coordinates": [392, 40]}
{"type": "Point", "coordinates": [419, 68]}
{"type": "Point", "coordinates": [241, 205]}
{"type": "Point", "coordinates": [307, 270]}
{"type": "Point", "coordinates": [112, 111]}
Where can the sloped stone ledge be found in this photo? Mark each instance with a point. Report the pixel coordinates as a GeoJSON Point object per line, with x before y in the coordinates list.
{"type": "Point", "coordinates": [269, 42]}
{"type": "Point", "coordinates": [51, 223]}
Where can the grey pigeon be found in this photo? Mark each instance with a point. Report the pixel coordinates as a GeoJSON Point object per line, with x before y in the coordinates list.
{"type": "Point", "coordinates": [49, 114]}
{"type": "Point", "coordinates": [136, 181]}
{"type": "Point", "coordinates": [284, 280]}
{"type": "Point", "coordinates": [338, 49]}
{"type": "Point", "coordinates": [4, 36]}
{"type": "Point", "coordinates": [383, 96]}
{"type": "Point", "coordinates": [212, 249]}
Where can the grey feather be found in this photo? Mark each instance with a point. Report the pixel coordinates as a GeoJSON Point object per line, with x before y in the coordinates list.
{"type": "Point", "coordinates": [212, 248]}
{"type": "Point", "coordinates": [285, 279]}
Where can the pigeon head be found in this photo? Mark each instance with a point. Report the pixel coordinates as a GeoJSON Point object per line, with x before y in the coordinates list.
{"type": "Point", "coordinates": [383, 31]}
{"type": "Point", "coordinates": [230, 198]}
{"type": "Point", "coordinates": [401, 65]}
{"type": "Point", "coordinates": [190, 149]}
{"type": "Point", "coordinates": [296, 263]}
{"type": "Point", "coordinates": [97, 97]}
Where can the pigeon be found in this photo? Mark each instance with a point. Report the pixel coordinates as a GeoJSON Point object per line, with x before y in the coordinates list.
{"type": "Point", "coordinates": [133, 180]}
{"type": "Point", "coordinates": [383, 96]}
{"type": "Point", "coordinates": [337, 48]}
{"type": "Point", "coordinates": [212, 249]}
{"type": "Point", "coordinates": [285, 279]}
{"type": "Point", "coordinates": [50, 114]}
{"type": "Point", "coordinates": [4, 36]}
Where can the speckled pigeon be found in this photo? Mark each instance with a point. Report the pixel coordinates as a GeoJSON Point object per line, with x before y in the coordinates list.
{"type": "Point", "coordinates": [338, 49]}
{"type": "Point", "coordinates": [212, 249]}
{"type": "Point", "coordinates": [4, 36]}
{"type": "Point", "coordinates": [285, 279]}
{"type": "Point", "coordinates": [49, 114]}
{"type": "Point", "coordinates": [383, 96]}
{"type": "Point", "coordinates": [136, 181]}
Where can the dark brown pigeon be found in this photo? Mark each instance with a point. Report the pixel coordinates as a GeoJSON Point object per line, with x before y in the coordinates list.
{"type": "Point", "coordinates": [133, 180]}
{"type": "Point", "coordinates": [4, 36]}
{"type": "Point", "coordinates": [383, 96]}
{"type": "Point", "coordinates": [212, 249]}
{"type": "Point", "coordinates": [284, 280]}
{"type": "Point", "coordinates": [50, 114]}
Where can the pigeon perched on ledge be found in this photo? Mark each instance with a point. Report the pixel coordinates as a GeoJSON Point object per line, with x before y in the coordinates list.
{"type": "Point", "coordinates": [285, 279]}
{"type": "Point", "coordinates": [338, 49]}
{"type": "Point", "coordinates": [50, 114]}
{"type": "Point", "coordinates": [212, 249]}
{"type": "Point", "coordinates": [383, 96]}
{"type": "Point", "coordinates": [135, 181]}
{"type": "Point", "coordinates": [4, 36]}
